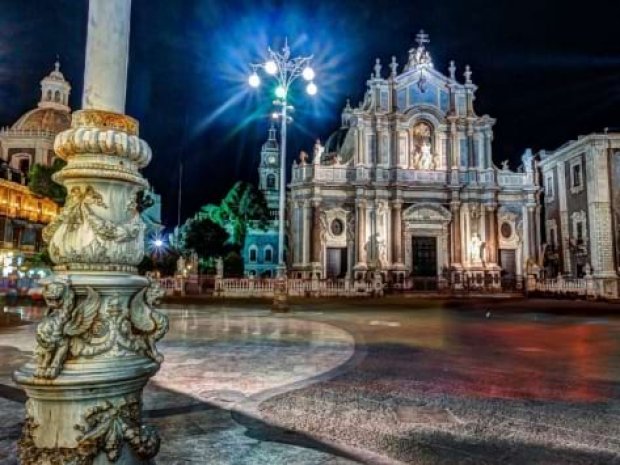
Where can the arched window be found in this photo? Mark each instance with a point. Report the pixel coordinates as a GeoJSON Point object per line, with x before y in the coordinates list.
{"type": "Point", "coordinates": [57, 96]}
{"type": "Point", "coordinates": [271, 181]}
{"type": "Point", "coordinates": [49, 96]}
{"type": "Point", "coordinates": [252, 254]}
{"type": "Point", "coordinates": [268, 254]}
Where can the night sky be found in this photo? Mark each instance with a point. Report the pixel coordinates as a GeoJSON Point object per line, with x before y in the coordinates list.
{"type": "Point", "coordinates": [547, 70]}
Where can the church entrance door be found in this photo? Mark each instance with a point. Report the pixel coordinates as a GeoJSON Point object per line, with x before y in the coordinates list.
{"type": "Point", "coordinates": [424, 266]}
{"type": "Point", "coordinates": [336, 262]}
{"type": "Point", "coordinates": [508, 262]}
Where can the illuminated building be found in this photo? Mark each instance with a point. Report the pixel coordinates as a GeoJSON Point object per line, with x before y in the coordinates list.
{"type": "Point", "coordinates": [407, 189]}
{"type": "Point", "coordinates": [29, 141]}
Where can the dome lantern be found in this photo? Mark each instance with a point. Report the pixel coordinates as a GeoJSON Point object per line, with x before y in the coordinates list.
{"type": "Point", "coordinates": [55, 90]}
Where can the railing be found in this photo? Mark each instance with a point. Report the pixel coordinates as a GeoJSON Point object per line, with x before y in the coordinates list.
{"type": "Point", "coordinates": [345, 174]}
{"type": "Point", "coordinates": [251, 287]}
{"type": "Point", "coordinates": [574, 286]}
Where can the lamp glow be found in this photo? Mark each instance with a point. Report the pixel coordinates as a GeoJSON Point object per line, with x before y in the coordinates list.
{"type": "Point", "coordinates": [254, 80]}
{"type": "Point", "coordinates": [271, 67]}
{"type": "Point", "coordinates": [280, 92]}
{"type": "Point", "coordinates": [308, 73]}
{"type": "Point", "coordinates": [311, 88]}
{"type": "Point", "coordinates": [275, 115]}
{"type": "Point", "coordinates": [158, 243]}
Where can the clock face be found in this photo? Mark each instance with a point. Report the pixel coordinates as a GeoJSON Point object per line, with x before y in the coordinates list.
{"type": "Point", "coordinates": [271, 159]}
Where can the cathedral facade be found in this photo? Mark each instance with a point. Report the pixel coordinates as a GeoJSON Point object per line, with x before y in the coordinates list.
{"type": "Point", "coordinates": [407, 189]}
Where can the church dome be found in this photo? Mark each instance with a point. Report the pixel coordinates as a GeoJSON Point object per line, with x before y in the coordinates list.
{"type": "Point", "coordinates": [53, 113]}
{"type": "Point", "coordinates": [44, 119]}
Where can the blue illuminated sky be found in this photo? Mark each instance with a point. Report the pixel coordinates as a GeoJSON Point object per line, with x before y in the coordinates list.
{"type": "Point", "coordinates": [547, 71]}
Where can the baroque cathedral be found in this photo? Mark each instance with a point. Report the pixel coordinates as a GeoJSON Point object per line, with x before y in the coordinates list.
{"type": "Point", "coordinates": [407, 189]}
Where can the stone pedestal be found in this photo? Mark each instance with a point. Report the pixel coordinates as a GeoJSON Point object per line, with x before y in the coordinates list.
{"type": "Point", "coordinates": [95, 347]}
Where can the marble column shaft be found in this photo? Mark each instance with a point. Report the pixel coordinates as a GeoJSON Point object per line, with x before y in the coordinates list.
{"type": "Point", "coordinates": [492, 239]}
{"type": "Point", "coordinates": [316, 232]}
{"type": "Point", "coordinates": [397, 233]}
{"type": "Point", "coordinates": [107, 55]}
{"type": "Point", "coordinates": [361, 233]}
{"type": "Point", "coordinates": [456, 233]}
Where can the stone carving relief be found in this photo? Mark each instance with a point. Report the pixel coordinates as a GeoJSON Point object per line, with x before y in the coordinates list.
{"type": "Point", "coordinates": [508, 227]}
{"type": "Point", "coordinates": [336, 227]}
{"type": "Point", "coordinates": [81, 234]}
{"type": "Point", "coordinates": [425, 213]}
{"type": "Point", "coordinates": [85, 330]}
{"type": "Point", "coordinates": [105, 429]}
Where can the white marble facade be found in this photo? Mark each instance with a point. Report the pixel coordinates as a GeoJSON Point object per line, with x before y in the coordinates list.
{"type": "Point", "coordinates": [407, 187]}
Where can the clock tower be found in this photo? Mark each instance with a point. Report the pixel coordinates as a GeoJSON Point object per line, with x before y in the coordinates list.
{"type": "Point", "coordinates": [269, 172]}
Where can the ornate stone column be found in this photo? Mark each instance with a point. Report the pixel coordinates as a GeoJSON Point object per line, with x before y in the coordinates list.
{"type": "Point", "coordinates": [397, 256]}
{"type": "Point", "coordinates": [316, 232]}
{"type": "Point", "coordinates": [361, 233]}
{"type": "Point", "coordinates": [96, 345]}
{"type": "Point", "coordinates": [492, 238]}
{"type": "Point", "coordinates": [456, 232]}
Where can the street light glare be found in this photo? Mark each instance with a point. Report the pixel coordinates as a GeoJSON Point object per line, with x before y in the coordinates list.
{"type": "Point", "coordinates": [271, 67]}
{"type": "Point", "coordinates": [254, 80]}
{"type": "Point", "coordinates": [158, 243]}
{"type": "Point", "coordinates": [280, 92]}
{"type": "Point", "coordinates": [308, 73]}
{"type": "Point", "coordinates": [312, 89]}
{"type": "Point", "coordinates": [275, 115]}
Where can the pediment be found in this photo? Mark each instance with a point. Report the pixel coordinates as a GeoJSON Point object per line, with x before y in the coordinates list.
{"type": "Point", "coordinates": [427, 213]}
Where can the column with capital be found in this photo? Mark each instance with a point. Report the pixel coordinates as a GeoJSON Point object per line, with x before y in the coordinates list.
{"type": "Point", "coordinates": [397, 233]}
{"type": "Point", "coordinates": [96, 346]}
{"type": "Point", "coordinates": [316, 232]}
{"type": "Point", "coordinates": [360, 223]}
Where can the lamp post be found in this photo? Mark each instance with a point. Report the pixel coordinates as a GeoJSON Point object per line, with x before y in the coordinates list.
{"type": "Point", "coordinates": [284, 70]}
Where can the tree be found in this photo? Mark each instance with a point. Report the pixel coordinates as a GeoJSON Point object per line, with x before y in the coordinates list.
{"type": "Point", "coordinates": [242, 205]}
{"type": "Point", "coordinates": [41, 183]}
{"type": "Point", "coordinates": [206, 238]}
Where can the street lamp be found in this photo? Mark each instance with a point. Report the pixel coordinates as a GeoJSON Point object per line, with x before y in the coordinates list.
{"type": "Point", "coordinates": [284, 70]}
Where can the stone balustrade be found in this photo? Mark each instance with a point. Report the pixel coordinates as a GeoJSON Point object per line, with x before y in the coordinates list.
{"type": "Point", "coordinates": [340, 174]}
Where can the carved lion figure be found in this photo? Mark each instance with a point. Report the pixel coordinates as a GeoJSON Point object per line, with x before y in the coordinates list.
{"type": "Point", "coordinates": [62, 322]}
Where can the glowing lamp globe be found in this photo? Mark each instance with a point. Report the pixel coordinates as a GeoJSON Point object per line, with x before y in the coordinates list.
{"type": "Point", "coordinates": [308, 73]}
{"type": "Point", "coordinates": [312, 89]}
{"type": "Point", "coordinates": [254, 80]}
{"type": "Point", "coordinates": [280, 92]}
{"type": "Point", "coordinates": [271, 67]}
{"type": "Point", "coordinates": [275, 115]}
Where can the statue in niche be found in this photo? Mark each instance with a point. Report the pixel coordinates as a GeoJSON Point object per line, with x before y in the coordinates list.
{"type": "Point", "coordinates": [423, 158]}
{"type": "Point", "coordinates": [476, 249]}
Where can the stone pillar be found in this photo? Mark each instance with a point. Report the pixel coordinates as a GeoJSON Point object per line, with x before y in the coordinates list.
{"type": "Point", "coordinates": [96, 345]}
{"type": "Point", "coordinates": [457, 256]}
{"type": "Point", "coordinates": [305, 233]}
{"type": "Point", "coordinates": [316, 232]}
{"type": "Point", "coordinates": [397, 234]}
{"type": "Point", "coordinates": [360, 222]}
{"type": "Point", "coordinates": [107, 55]}
{"type": "Point", "coordinates": [492, 234]}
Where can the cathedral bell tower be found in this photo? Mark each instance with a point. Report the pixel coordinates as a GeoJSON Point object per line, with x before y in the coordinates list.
{"type": "Point", "coordinates": [269, 172]}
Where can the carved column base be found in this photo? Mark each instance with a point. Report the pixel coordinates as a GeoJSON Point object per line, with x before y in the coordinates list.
{"type": "Point", "coordinates": [85, 388]}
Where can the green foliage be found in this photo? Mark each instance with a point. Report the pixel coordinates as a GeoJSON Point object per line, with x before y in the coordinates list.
{"type": "Point", "coordinates": [39, 260]}
{"type": "Point", "coordinates": [206, 238]}
{"type": "Point", "coordinates": [242, 205]}
{"type": "Point", "coordinates": [41, 183]}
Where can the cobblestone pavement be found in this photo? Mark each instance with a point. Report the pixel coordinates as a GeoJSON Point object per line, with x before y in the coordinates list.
{"type": "Point", "coordinates": [373, 381]}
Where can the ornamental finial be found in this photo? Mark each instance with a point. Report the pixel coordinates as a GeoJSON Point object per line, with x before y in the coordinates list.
{"type": "Point", "coordinates": [452, 70]}
{"type": "Point", "coordinates": [467, 74]}
{"type": "Point", "coordinates": [394, 67]}
{"type": "Point", "coordinates": [378, 68]}
{"type": "Point", "coordinates": [422, 38]}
